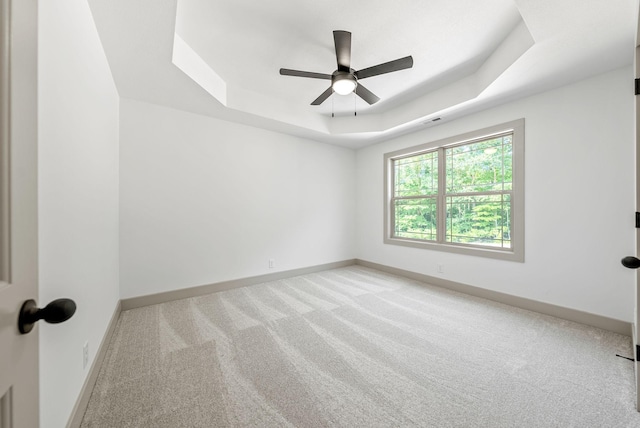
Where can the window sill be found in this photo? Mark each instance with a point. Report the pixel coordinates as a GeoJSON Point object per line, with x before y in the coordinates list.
{"type": "Point", "coordinates": [513, 255]}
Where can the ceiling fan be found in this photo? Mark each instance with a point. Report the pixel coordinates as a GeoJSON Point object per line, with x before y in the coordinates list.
{"type": "Point", "coordinates": [345, 79]}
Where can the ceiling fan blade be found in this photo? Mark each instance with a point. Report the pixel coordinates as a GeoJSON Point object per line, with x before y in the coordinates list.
{"type": "Point", "coordinates": [322, 97]}
{"type": "Point", "coordinates": [342, 40]}
{"type": "Point", "coordinates": [297, 73]}
{"type": "Point", "coordinates": [387, 67]}
{"type": "Point", "coordinates": [366, 94]}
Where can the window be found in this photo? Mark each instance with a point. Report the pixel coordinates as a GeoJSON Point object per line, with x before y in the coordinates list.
{"type": "Point", "coordinates": [463, 194]}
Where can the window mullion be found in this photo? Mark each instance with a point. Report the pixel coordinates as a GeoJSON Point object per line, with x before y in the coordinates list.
{"type": "Point", "coordinates": [442, 186]}
{"type": "Point", "coordinates": [484, 193]}
{"type": "Point", "coordinates": [392, 200]}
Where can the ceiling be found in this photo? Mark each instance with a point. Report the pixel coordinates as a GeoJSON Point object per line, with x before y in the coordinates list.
{"type": "Point", "coordinates": [221, 58]}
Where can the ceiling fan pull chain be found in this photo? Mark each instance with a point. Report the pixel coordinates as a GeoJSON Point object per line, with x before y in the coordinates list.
{"type": "Point", "coordinates": [355, 100]}
{"type": "Point", "coordinates": [332, 104]}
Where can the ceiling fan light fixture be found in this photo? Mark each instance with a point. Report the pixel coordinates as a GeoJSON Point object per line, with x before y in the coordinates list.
{"type": "Point", "coordinates": [343, 84]}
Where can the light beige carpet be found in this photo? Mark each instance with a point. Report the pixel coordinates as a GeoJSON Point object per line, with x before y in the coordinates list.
{"type": "Point", "coordinates": [355, 347]}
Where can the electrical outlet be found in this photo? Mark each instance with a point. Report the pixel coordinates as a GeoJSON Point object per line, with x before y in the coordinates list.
{"type": "Point", "coordinates": [85, 355]}
{"type": "Point", "coordinates": [272, 263]}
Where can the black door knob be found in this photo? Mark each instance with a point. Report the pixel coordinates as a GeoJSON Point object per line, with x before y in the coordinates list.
{"type": "Point", "coordinates": [55, 312]}
{"type": "Point", "coordinates": [630, 262]}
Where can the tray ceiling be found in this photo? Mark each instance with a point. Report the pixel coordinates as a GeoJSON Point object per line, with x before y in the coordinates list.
{"type": "Point", "coordinates": [222, 58]}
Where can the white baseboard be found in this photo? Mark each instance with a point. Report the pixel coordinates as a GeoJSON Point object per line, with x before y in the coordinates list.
{"type": "Point", "coordinates": [201, 290]}
{"type": "Point", "coordinates": [599, 321]}
{"type": "Point", "coordinates": [85, 393]}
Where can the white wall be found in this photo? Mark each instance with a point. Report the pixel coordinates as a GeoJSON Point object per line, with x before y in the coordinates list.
{"type": "Point", "coordinates": [204, 200]}
{"type": "Point", "coordinates": [579, 203]}
{"type": "Point", "coordinates": [78, 198]}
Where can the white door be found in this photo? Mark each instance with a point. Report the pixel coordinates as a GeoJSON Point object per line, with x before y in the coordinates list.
{"type": "Point", "coordinates": [18, 211]}
{"type": "Point", "coordinates": [636, 315]}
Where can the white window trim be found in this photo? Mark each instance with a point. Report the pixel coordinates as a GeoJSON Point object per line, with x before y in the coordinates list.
{"type": "Point", "coordinates": [516, 252]}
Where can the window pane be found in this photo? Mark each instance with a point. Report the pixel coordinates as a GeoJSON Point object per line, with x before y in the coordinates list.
{"type": "Point", "coordinates": [416, 218]}
{"type": "Point", "coordinates": [481, 220]}
{"type": "Point", "coordinates": [416, 175]}
{"type": "Point", "coordinates": [480, 167]}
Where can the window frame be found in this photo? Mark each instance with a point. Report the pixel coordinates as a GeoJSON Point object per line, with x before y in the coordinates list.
{"type": "Point", "coordinates": [516, 252]}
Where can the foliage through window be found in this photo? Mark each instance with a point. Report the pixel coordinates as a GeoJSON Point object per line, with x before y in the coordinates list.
{"type": "Point", "coordinates": [463, 194]}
